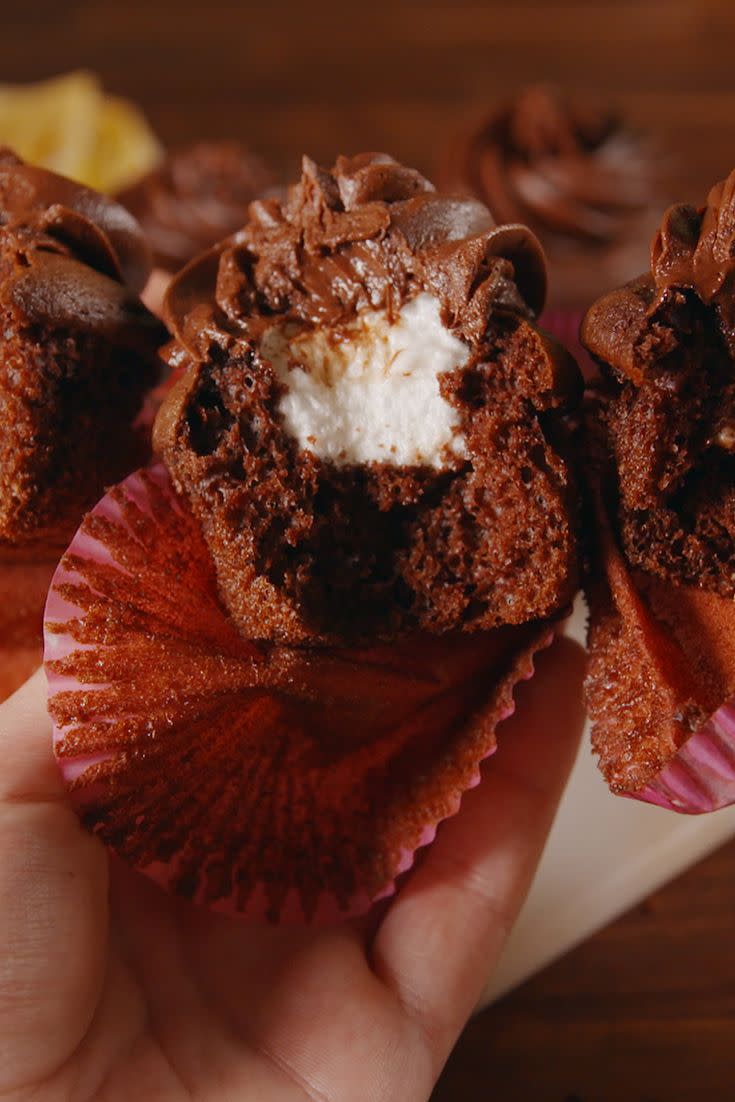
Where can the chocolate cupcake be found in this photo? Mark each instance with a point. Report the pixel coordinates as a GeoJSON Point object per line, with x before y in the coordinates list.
{"type": "Point", "coordinates": [588, 186]}
{"type": "Point", "coordinates": [369, 430]}
{"type": "Point", "coordinates": [78, 355]}
{"type": "Point", "coordinates": [661, 443]}
{"type": "Point", "coordinates": [277, 662]}
{"type": "Point", "coordinates": [194, 198]}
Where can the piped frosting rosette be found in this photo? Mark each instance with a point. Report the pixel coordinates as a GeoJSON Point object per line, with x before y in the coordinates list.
{"type": "Point", "coordinates": [220, 721]}
{"type": "Point", "coordinates": [661, 433]}
{"type": "Point", "coordinates": [585, 182]}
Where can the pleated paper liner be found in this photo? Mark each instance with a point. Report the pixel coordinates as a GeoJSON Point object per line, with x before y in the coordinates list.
{"type": "Point", "coordinates": [284, 783]}
{"type": "Point", "coordinates": [700, 775]}
{"type": "Point", "coordinates": [24, 582]}
{"type": "Point", "coordinates": [661, 656]}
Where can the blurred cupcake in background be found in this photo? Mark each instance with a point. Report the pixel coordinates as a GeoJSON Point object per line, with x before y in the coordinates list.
{"type": "Point", "coordinates": [590, 188]}
{"type": "Point", "coordinates": [194, 198]}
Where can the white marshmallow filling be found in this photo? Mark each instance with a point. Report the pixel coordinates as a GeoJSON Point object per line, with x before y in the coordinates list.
{"type": "Point", "coordinates": [370, 391]}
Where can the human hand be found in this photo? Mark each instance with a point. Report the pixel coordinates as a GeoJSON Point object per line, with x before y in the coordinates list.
{"type": "Point", "coordinates": [111, 989]}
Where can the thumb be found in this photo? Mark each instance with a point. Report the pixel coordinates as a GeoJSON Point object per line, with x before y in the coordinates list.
{"type": "Point", "coordinates": [53, 902]}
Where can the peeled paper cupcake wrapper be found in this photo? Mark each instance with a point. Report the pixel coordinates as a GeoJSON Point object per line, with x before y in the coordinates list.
{"type": "Point", "coordinates": [700, 776]}
{"type": "Point", "coordinates": [696, 773]}
{"type": "Point", "coordinates": [286, 783]}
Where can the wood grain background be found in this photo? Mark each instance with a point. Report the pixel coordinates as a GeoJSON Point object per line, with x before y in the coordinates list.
{"type": "Point", "coordinates": [394, 75]}
{"type": "Point", "coordinates": [645, 1010]}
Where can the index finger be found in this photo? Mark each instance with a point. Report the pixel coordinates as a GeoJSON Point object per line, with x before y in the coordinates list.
{"type": "Point", "coordinates": [29, 770]}
{"type": "Point", "coordinates": [444, 932]}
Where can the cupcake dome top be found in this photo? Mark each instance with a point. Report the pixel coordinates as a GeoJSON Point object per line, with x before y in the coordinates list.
{"type": "Point", "coordinates": [92, 228]}
{"type": "Point", "coordinates": [77, 352]}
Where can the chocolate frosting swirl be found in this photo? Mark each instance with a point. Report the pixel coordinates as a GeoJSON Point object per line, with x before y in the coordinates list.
{"type": "Point", "coordinates": [691, 284]}
{"type": "Point", "coordinates": [196, 197]}
{"type": "Point", "coordinates": [368, 233]}
{"type": "Point", "coordinates": [566, 169]}
{"type": "Point", "coordinates": [696, 248]}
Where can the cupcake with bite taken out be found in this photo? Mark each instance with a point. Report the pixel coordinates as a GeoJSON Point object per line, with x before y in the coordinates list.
{"type": "Point", "coordinates": [661, 445]}
{"type": "Point", "coordinates": [590, 188]}
{"type": "Point", "coordinates": [79, 352]}
{"type": "Point", "coordinates": [277, 660]}
{"type": "Point", "coordinates": [347, 453]}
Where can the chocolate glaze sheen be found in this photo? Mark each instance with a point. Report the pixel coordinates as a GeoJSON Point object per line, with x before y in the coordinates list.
{"type": "Point", "coordinates": [306, 550]}
{"type": "Point", "coordinates": [587, 186]}
{"type": "Point", "coordinates": [195, 197]}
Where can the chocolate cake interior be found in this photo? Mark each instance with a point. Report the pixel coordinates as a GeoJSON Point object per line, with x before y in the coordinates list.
{"type": "Point", "coordinates": [671, 431]}
{"type": "Point", "coordinates": [485, 540]}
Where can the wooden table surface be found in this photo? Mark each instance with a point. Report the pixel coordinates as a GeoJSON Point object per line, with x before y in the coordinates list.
{"type": "Point", "coordinates": [645, 1010]}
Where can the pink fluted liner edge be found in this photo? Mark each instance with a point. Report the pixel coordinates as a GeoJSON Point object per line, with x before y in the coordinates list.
{"type": "Point", "coordinates": [700, 777]}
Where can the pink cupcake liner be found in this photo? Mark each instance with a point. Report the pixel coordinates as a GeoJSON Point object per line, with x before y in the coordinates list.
{"type": "Point", "coordinates": [291, 784]}
{"type": "Point", "coordinates": [564, 326]}
{"type": "Point", "coordinates": [700, 777]}
{"type": "Point", "coordinates": [154, 291]}
{"type": "Point", "coordinates": [697, 774]}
